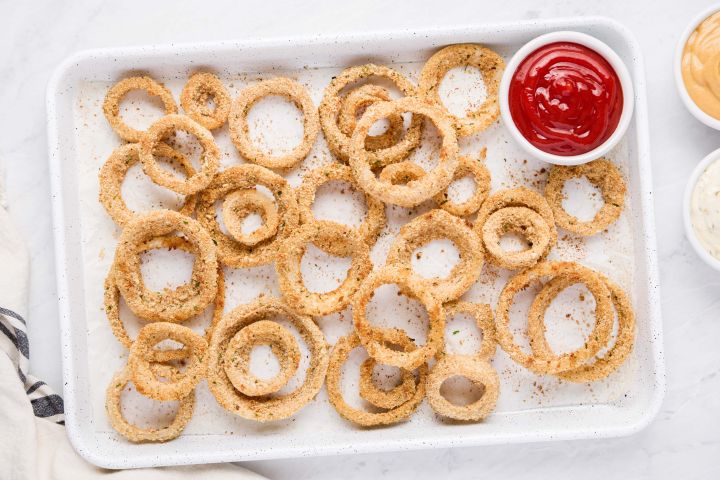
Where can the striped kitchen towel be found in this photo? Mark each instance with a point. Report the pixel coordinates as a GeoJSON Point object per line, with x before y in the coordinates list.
{"type": "Point", "coordinates": [14, 342]}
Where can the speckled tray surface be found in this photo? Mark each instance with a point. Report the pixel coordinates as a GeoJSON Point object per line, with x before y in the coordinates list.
{"type": "Point", "coordinates": [530, 407]}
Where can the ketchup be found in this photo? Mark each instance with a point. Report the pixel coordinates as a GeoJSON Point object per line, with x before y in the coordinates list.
{"type": "Point", "coordinates": [565, 99]}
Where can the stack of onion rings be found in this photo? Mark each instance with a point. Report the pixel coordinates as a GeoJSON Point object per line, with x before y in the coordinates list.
{"type": "Point", "coordinates": [240, 131]}
{"type": "Point", "coordinates": [265, 408]}
{"type": "Point", "coordinates": [433, 225]}
{"type": "Point", "coordinates": [516, 197]}
{"type": "Point", "coordinates": [114, 170]}
{"type": "Point", "coordinates": [375, 218]}
{"type": "Point", "coordinates": [490, 64]}
{"type": "Point", "coordinates": [415, 192]}
{"type": "Point", "coordinates": [201, 87]}
{"type": "Point", "coordinates": [602, 173]}
{"type": "Point", "coordinates": [231, 252]}
{"type": "Point", "coordinates": [357, 101]}
{"type": "Point", "coordinates": [111, 105]}
{"type": "Point", "coordinates": [339, 141]}
{"type": "Point", "coordinates": [209, 160]}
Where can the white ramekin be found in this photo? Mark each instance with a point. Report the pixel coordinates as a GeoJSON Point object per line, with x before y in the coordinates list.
{"type": "Point", "coordinates": [687, 219]}
{"type": "Point", "coordinates": [614, 61]}
{"type": "Point", "coordinates": [690, 104]}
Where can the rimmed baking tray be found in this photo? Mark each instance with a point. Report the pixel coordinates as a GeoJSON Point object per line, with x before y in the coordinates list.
{"type": "Point", "coordinates": [79, 140]}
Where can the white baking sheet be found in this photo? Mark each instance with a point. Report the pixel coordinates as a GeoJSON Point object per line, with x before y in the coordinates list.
{"type": "Point", "coordinates": [554, 406]}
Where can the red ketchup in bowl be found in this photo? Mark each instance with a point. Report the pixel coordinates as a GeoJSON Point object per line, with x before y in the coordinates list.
{"type": "Point", "coordinates": [565, 99]}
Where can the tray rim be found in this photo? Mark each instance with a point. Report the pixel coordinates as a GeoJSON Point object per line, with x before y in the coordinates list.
{"type": "Point", "coordinates": [91, 452]}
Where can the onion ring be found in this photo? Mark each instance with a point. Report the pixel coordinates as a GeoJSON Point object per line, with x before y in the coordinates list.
{"type": "Point", "coordinates": [112, 300]}
{"type": "Point", "coordinates": [265, 409]}
{"type": "Point", "coordinates": [357, 101]}
{"type": "Point", "coordinates": [401, 173]}
{"type": "Point", "coordinates": [601, 173]}
{"type": "Point", "coordinates": [141, 358]}
{"type": "Point", "coordinates": [368, 334]}
{"type": "Point", "coordinates": [199, 88]}
{"type": "Point", "coordinates": [415, 192]}
{"type": "Point", "coordinates": [135, 433]}
{"type": "Point", "coordinates": [482, 314]}
{"type": "Point", "coordinates": [111, 105]}
{"type": "Point", "coordinates": [241, 203]}
{"type": "Point", "coordinates": [240, 132]}
{"type": "Point", "coordinates": [114, 171]}
{"type": "Point", "coordinates": [243, 177]}
{"type": "Point", "coordinates": [237, 357]}
{"type": "Point", "coordinates": [568, 361]}
{"type": "Point", "coordinates": [527, 223]}
{"type": "Point", "coordinates": [434, 225]}
{"type": "Point", "coordinates": [517, 197]}
{"type": "Point", "coordinates": [339, 356]}
{"type": "Point", "coordinates": [331, 237]}
{"type": "Point", "coordinates": [491, 66]}
{"type": "Point", "coordinates": [173, 305]}
{"type": "Point", "coordinates": [478, 371]}
{"type": "Point", "coordinates": [481, 177]}
{"type": "Point", "coordinates": [161, 129]}
{"type": "Point", "coordinates": [339, 142]}
{"type": "Point", "coordinates": [603, 366]}
{"type": "Point", "coordinates": [374, 220]}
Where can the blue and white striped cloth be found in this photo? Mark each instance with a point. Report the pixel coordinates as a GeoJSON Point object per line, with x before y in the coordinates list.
{"type": "Point", "coordinates": [14, 342]}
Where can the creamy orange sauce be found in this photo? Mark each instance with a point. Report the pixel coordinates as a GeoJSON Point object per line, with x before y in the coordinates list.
{"type": "Point", "coordinates": [701, 65]}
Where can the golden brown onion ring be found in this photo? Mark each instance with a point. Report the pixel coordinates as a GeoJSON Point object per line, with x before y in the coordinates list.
{"type": "Point", "coordinates": [482, 314]}
{"type": "Point", "coordinates": [356, 102]}
{"type": "Point", "coordinates": [520, 220]}
{"type": "Point", "coordinates": [241, 203]}
{"type": "Point", "coordinates": [159, 131]}
{"type": "Point", "coordinates": [201, 87]}
{"type": "Point", "coordinates": [111, 105]}
{"type": "Point", "coordinates": [481, 176]}
{"type": "Point", "coordinates": [240, 131]}
{"type": "Point", "coordinates": [491, 66]}
{"type": "Point", "coordinates": [601, 173]}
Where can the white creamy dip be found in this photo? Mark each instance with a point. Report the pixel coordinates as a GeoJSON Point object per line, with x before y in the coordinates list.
{"type": "Point", "coordinates": [705, 209]}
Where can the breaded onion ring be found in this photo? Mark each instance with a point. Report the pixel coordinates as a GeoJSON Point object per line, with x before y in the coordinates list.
{"type": "Point", "coordinates": [568, 361]}
{"type": "Point", "coordinates": [517, 197]}
{"type": "Point", "coordinates": [241, 203]}
{"type": "Point", "coordinates": [243, 177]}
{"type": "Point", "coordinates": [111, 105]}
{"type": "Point", "coordinates": [520, 220]}
{"type": "Point", "coordinates": [171, 305]}
{"type": "Point", "coordinates": [434, 225]}
{"type": "Point", "coordinates": [380, 397]}
{"type": "Point", "coordinates": [481, 176]}
{"type": "Point", "coordinates": [240, 132]}
{"type": "Point", "coordinates": [237, 357]}
{"type": "Point", "coordinates": [483, 316]}
{"type": "Point", "coordinates": [477, 370]}
{"type": "Point", "coordinates": [114, 170]}
{"type": "Point", "coordinates": [415, 192]}
{"type": "Point", "coordinates": [339, 142]}
{"type": "Point", "coordinates": [374, 220]}
{"type": "Point", "coordinates": [601, 173]}
{"type": "Point", "coordinates": [201, 87]}
{"type": "Point", "coordinates": [135, 433]}
{"type": "Point", "coordinates": [368, 334]}
{"type": "Point", "coordinates": [209, 160]}
{"type": "Point", "coordinates": [401, 173]}
{"type": "Point", "coordinates": [141, 358]}
{"type": "Point", "coordinates": [331, 237]}
{"type": "Point", "coordinates": [339, 356]}
{"type": "Point", "coordinates": [602, 366]}
{"type": "Point", "coordinates": [112, 299]}
{"type": "Point", "coordinates": [491, 66]}
{"type": "Point", "coordinates": [264, 409]}
{"type": "Point", "coordinates": [356, 102]}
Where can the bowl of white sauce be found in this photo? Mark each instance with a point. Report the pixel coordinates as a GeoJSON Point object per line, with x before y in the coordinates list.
{"type": "Point", "coordinates": [701, 209]}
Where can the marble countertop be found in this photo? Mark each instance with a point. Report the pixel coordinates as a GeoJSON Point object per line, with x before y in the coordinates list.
{"type": "Point", "coordinates": [684, 440]}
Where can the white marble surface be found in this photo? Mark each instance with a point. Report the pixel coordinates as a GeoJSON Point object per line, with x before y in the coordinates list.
{"type": "Point", "coordinates": [684, 440]}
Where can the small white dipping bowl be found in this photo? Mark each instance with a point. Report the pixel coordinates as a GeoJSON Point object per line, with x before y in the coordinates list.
{"type": "Point", "coordinates": [615, 62]}
{"type": "Point", "coordinates": [690, 104]}
{"type": "Point", "coordinates": [687, 201]}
